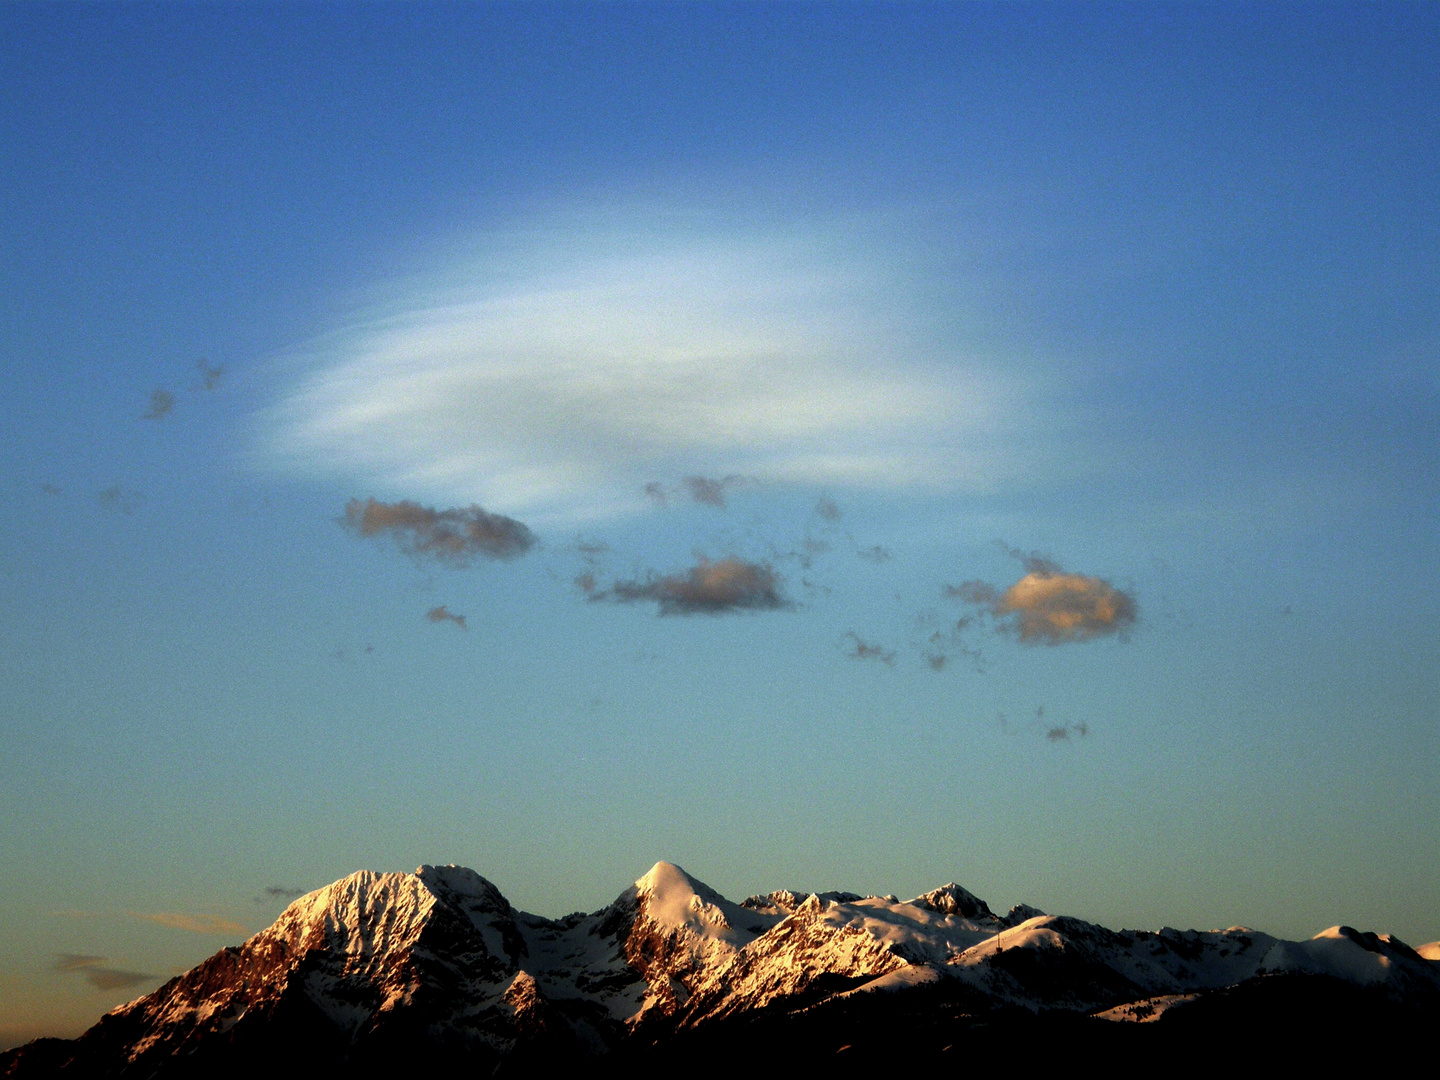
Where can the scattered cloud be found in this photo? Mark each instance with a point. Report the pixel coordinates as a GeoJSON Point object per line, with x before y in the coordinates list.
{"type": "Point", "coordinates": [442, 614]}
{"type": "Point", "coordinates": [863, 650]}
{"type": "Point", "coordinates": [100, 976]}
{"type": "Point", "coordinates": [875, 554]}
{"type": "Point", "coordinates": [196, 924]}
{"type": "Point", "coordinates": [343, 653]}
{"type": "Point", "coordinates": [118, 498]}
{"type": "Point", "coordinates": [51, 489]}
{"type": "Point", "coordinates": [591, 550]}
{"type": "Point", "coordinates": [1057, 734]}
{"type": "Point", "coordinates": [453, 536]}
{"type": "Point", "coordinates": [941, 648]}
{"type": "Point", "coordinates": [708, 588]}
{"type": "Point", "coordinates": [707, 491]}
{"type": "Point", "coordinates": [827, 509]}
{"type": "Point", "coordinates": [804, 554]}
{"type": "Point", "coordinates": [585, 582]}
{"type": "Point", "coordinates": [284, 892]}
{"type": "Point", "coordinates": [1050, 606]}
{"type": "Point", "coordinates": [823, 590]}
{"type": "Point", "coordinates": [161, 402]}
{"type": "Point", "coordinates": [210, 376]}
{"type": "Point", "coordinates": [551, 371]}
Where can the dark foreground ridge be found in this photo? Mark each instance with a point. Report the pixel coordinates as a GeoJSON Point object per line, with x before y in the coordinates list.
{"type": "Point", "coordinates": [380, 974]}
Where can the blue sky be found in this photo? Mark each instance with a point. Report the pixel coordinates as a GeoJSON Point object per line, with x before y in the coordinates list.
{"type": "Point", "coordinates": [809, 345]}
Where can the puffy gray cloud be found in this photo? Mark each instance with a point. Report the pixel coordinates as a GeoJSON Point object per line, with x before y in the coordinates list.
{"type": "Point", "coordinates": [827, 509]}
{"type": "Point", "coordinates": [709, 588]}
{"type": "Point", "coordinates": [100, 975]}
{"type": "Point", "coordinates": [161, 402]}
{"type": "Point", "coordinates": [1050, 606]}
{"type": "Point", "coordinates": [453, 536]}
{"type": "Point", "coordinates": [442, 614]}
{"type": "Point", "coordinates": [710, 492]}
{"type": "Point", "coordinates": [284, 892]}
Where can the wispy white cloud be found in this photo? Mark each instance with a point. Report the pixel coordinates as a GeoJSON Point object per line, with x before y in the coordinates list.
{"type": "Point", "coordinates": [555, 374]}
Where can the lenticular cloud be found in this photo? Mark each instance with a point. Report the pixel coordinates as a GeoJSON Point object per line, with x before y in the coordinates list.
{"type": "Point", "coordinates": [554, 375]}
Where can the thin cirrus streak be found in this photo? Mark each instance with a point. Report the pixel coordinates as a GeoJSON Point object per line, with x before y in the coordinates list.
{"type": "Point", "coordinates": [196, 924]}
{"type": "Point", "coordinates": [99, 974]}
{"type": "Point", "coordinates": [556, 379]}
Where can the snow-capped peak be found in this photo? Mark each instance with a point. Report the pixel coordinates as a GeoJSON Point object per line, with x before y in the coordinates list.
{"type": "Point", "coordinates": [673, 899]}
{"type": "Point", "coordinates": [377, 957]}
{"type": "Point", "coordinates": [364, 912]}
{"type": "Point", "coordinates": [953, 899]}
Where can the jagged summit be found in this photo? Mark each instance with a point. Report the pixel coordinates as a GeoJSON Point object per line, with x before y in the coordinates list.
{"type": "Point", "coordinates": [362, 972]}
{"type": "Point", "coordinates": [953, 899]}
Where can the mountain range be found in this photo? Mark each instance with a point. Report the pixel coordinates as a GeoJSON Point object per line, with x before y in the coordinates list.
{"type": "Point", "coordinates": [381, 971]}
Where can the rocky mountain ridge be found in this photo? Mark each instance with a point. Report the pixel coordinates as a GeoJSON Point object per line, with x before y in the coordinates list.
{"type": "Point", "coordinates": [377, 967]}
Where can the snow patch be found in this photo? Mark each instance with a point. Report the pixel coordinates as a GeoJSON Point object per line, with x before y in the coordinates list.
{"type": "Point", "coordinates": [1146, 1010]}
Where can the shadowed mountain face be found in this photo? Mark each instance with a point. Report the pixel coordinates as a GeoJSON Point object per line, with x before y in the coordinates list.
{"type": "Point", "coordinates": [378, 971]}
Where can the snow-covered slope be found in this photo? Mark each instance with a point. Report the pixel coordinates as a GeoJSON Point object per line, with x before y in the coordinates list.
{"type": "Point", "coordinates": [348, 962]}
{"type": "Point", "coordinates": [378, 963]}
